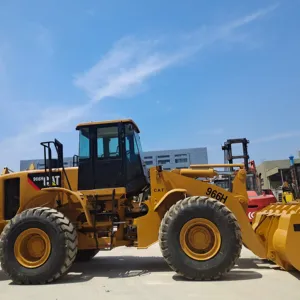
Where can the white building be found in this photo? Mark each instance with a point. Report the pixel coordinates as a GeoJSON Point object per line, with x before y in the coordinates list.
{"type": "Point", "coordinates": [169, 159]}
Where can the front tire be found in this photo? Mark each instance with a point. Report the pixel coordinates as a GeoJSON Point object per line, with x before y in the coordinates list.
{"type": "Point", "coordinates": [38, 246]}
{"type": "Point", "coordinates": [200, 238]}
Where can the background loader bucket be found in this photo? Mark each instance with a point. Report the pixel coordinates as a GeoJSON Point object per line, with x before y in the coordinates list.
{"type": "Point", "coordinates": [278, 225]}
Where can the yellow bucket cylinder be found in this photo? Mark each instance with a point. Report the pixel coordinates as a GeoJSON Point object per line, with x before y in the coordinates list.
{"type": "Point", "coordinates": [278, 225]}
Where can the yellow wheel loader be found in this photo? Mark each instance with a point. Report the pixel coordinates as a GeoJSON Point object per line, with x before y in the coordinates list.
{"type": "Point", "coordinates": [50, 218]}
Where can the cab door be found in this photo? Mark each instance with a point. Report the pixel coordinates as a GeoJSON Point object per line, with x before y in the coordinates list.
{"type": "Point", "coordinates": [109, 163]}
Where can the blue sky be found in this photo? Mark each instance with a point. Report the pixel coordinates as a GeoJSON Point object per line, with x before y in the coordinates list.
{"type": "Point", "coordinates": [190, 73]}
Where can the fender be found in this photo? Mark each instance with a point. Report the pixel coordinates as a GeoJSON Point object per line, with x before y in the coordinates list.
{"type": "Point", "coordinates": [170, 198]}
{"type": "Point", "coordinates": [78, 196]}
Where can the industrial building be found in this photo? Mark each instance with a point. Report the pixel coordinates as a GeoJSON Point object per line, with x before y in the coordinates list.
{"type": "Point", "coordinates": [169, 159]}
{"type": "Point", "coordinates": [274, 172]}
{"type": "Point", "coordinates": [40, 164]}
{"type": "Point", "coordinates": [176, 159]}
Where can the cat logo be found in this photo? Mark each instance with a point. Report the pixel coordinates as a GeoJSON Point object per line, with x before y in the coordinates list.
{"type": "Point", "coordinates": [41, 180]}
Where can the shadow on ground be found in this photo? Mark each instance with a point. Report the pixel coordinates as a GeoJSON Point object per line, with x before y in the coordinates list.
{"type": "Point", "coordinates": [111, 267]}
{"type": "Point", "coordinates": [260, 264]}
{"type": "Point", "coordinates": [254, 263]}
{"type": "Point", "coordinates": [295, 274]}
{"type": "Point", "coordinates": [115, 267]}
{"type": "Point", "coordinates": [233, 275]}
{"type": "Point", "coordinates": [133, 266]}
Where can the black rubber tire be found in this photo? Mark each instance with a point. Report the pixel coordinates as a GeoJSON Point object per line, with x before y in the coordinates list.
{"type": "Point", "coordinates": [222, 217]}
{"type": "Point", "coordinates": [86, 255]}
{"type": "Point", "coordinates": [63, 238]}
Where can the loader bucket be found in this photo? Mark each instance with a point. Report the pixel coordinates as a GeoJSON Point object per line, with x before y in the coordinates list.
{"type": "Point", "coordinates": [278, 225]}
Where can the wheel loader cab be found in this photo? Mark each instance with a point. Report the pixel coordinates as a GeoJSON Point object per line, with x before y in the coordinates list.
{"type": "Point", "coordinates": [110, 156]}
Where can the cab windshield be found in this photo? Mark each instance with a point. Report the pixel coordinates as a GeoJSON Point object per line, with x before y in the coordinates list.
{"type": "Point", "coordinates": [133, 149]}
{"type": "Point", "coordinates": [133, 143]}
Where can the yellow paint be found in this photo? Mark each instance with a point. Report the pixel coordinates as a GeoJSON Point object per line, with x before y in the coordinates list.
{"type": "Point", "coordinates": [275, 225]}
{"type": "Point", "coordinates": [166, 189]}
{"type": "Point", "coordinates": [287, 197]}
{"type": "Point", "coordinates": [237, 201]}
{"type": "Point", "coordinates": [32, 248]}
{"type": "Point", "coordinates": [196, 173]}
{"type": "Point", "coordinates": [109, 122]}
{"type": "Point", "coordinates": [273, 234]}
{"type": "Point", "coordinates": [172, 196]}
{"type": "Point", "coordinates": [147, 227]}
{"type": "Point", "coordinates": [31, 167]}
{"type": "Point", "coordinates": [200, 239]}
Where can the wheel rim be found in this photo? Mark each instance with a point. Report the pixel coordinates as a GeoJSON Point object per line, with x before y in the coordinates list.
{"type": "Point", "coordinates": [32, 248]}
{"type": "Point", "coordinates": [200, 239]}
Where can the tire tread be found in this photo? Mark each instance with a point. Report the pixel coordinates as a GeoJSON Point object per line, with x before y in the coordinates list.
{"type": "Point", "coordinates": [66, 228]}
{"type": "Point", "coordinates": [215, 205]}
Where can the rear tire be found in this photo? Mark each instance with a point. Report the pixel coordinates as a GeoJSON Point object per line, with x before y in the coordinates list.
{"type": "Point", "coordinates": [38, 246]}
{"type": "Point", "coordinates": [86, 255]}
{"type": "Point", "coordinates": [210, 248]}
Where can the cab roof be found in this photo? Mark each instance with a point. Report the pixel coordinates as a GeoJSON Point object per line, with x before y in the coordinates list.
{"type": "Point", "coordinates": [86, 124]}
